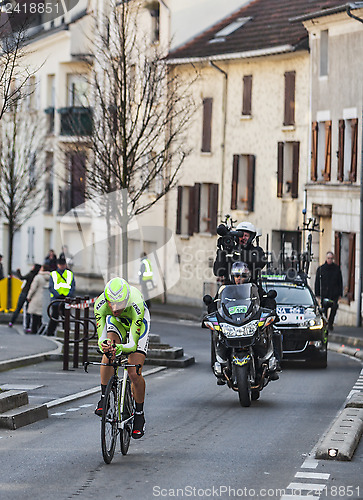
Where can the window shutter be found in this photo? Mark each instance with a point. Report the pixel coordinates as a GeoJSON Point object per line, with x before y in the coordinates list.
{"type": "Point", "coordinates": [353, 163]}
{"type": "Point", "coordinates": [314, 151]}
{"type": "Point", "coordinates": [247, 95]}
{"type": "Point", "coordinates": [327, 169]}
{"type": "Point", "coordinates": [213, 208]}
{"type": "Point", "coordinates": [295, 169]}
{"type": "Point", "coordinates": [234, 182]}
{"type": "Point", "coordinates": [340, 176]}
{"type": "Point", "coordinates": [207, 125]}
{"type": "Point", "coordinates": [196, 195]}
{"type": "Point", "coordinates": [191, 212]}
{"type": "Point", "coordinates": [351, 269]}
{"type": "Point", "coordinates": [251, 182]}
{"type": "Point", "coordinates": [289, 115]}
{"type": "Point", "coordinates": [280, 168]}
{"type": "Point", "coordinates": [337, 237]}
{"type": "Point", "coordinates": [179, 210]}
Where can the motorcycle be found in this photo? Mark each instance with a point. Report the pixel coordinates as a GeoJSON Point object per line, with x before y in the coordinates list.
{"type": "Point", "coordinates": [242, 352]}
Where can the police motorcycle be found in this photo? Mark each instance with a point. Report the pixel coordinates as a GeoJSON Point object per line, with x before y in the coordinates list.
{"type": "Point", "coordinates": [241, 332]}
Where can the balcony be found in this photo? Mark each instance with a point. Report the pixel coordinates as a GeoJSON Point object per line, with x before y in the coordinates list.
{"type": "Point", "coordinates": [76, 121]}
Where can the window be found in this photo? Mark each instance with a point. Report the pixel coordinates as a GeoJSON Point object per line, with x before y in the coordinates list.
{"type": "Point", "coordinates": [49, 159]}
{"type": "Point", "coordinates": [50, 102]}
{"type": "Point", "coordinates": [243, 182]}
{"type": "Point", "coordinates": [30, 254]}
{"type": "Point", "coordinates": [324, 46]}
{"type": "Point", "coordinates": [321, 151]}
{"type": "Point", "coordinates": [32, 94]}
{"type": "Point", "coordinates": [288, 159]}
{"type": "Point", "coordinates": [155, 18]}
{"type": "Point", "coordinates": [247, 95]}
{"type": "Point", "coordinates": [289, 113]}
{"type": "Point", "coordinates": [77, 91]}
{"type": "Point", "coordinates": [152, 173]}
{"type": "Point", "coordinates": [197, 208]}
{"type": "Point", "coordinates": [207, 125]}
{"type": "Point", "coordinates": [345, 258]}
{"type": "Point", "coordinates": [347, 152]}
{"type": "Point", "coordinates": [77, 165]}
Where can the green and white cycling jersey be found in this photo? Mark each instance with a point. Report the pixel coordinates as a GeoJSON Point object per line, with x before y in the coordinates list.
{"type": "Point", "coordinates": [132, 326]}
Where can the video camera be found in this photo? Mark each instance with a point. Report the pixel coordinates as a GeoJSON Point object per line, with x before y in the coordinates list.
{"type": "Point", "coordinates": [229, 239]}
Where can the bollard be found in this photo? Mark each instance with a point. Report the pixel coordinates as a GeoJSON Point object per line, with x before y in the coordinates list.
{"type": "Point", "coordinates": [85, 332]}
{"type": "Point", "coordinates": [67, 315]}
{"type": "Point", "coordinates": [76, 335]}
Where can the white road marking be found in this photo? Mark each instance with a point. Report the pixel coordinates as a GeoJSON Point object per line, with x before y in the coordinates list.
{"type": "Point", "coordinates": [312, 475]}
{"type": "Point", "coordinates": [72, 409]}
{"type": "Point", "coordinates": [299, 497]}
{"type": "Point", "coordinates": [306, 486]}
{"type": "Point", "coordinates": [310, 463]}
{"type": "Point", "coordinates": [57, 414]}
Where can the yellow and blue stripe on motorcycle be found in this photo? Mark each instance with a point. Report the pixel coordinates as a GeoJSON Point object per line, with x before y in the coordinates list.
{"type": "Point", "coordinates": [241, 361]}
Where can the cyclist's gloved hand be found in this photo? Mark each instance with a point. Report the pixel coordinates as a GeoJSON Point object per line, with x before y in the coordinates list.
{"type": "Point", "coordinates": [108, 347]}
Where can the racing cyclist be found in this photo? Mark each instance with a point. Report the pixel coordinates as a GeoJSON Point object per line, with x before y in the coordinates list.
{"type": "Point", "coordinates": [123, 318]}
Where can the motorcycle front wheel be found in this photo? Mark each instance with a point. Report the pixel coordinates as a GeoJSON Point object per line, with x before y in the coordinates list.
{"type": "Point", "coordinates": [243, 385]}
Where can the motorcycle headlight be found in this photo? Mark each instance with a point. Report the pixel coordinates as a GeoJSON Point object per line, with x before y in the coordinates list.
{"type": "Point", "coordinates": [314, 323]}
{"type": "Point", "coordinates": [239, 331]}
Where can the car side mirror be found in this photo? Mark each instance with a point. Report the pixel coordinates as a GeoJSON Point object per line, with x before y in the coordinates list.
{"type": "Point", "coordinates": [207, 299]}
{"type": "Point", "coordinates": [272, 294]}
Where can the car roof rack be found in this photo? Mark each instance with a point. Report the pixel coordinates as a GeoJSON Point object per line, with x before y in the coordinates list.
{"type": "Point", "coordinates": [291, 276]}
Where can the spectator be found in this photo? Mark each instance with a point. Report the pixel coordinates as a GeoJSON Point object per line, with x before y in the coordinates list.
{"type": "Point", "coordinates": [35, 297]}
{"type": "Point", "coordinates": [51, 260]}
{"type": "Point", "coordinates": [329, 287]}
{"type": "Point", "coordinates": [66, 255]}
{"type": "Point", "coordinates": [27, 281]}
{"type": "Point", "coordinates": [146, 278]}
{"type": "Point", "coordinates": [1, 268]}
{"type": "Point", "coordinates": [61, 285]}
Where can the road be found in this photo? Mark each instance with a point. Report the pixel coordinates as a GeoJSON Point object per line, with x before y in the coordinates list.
{"type": "Point", "coordinates": [199, 443]}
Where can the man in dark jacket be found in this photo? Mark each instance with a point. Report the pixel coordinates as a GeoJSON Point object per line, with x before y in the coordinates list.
{"type": "Point", "coordinates": [329, 287]}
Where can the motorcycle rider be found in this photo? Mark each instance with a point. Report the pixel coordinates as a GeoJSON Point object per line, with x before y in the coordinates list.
{"type": "Point", "coordinates": [240, 274]}
{"type": "Point", "coordinates": [245, 251]}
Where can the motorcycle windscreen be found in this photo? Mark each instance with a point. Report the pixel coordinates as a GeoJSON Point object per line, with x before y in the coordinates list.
{"type": "Point", "coordinates": [238, 303]}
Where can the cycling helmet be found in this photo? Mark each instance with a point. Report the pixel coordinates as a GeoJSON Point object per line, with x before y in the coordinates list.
{"type": "Point", "coordinates": [241, 269]}
{"type": "Point", "coordinates": [117, 293]}
{"type": "Point", "coordinates": [247, 227]}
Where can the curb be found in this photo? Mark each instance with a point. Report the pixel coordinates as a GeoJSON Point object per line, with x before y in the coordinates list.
{"type": "Point", "coordinates": [9, 364]}
{"type": "Point", "coordinates": [343, 436]}
{"type": "Point", "coordinates": [346, 349]}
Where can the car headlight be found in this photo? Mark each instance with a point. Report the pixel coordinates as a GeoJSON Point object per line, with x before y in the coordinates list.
{"type": "Point", "coordinates": [239, 331]}
{"type": "Point", "coordinates": [314, 323]}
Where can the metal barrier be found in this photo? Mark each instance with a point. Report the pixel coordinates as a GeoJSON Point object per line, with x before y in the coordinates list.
{"type": "Point", "coordinates": [66, 316]}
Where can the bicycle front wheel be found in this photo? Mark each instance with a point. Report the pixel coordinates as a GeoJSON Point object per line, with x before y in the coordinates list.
{"type": "Point", "coordinates": [127, 415]}
{"type": "Point", "coordinates": [109, 421]}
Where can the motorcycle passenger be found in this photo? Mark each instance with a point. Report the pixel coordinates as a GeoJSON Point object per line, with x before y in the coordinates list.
{"type": "Point", "coordinates": [122, 317]}
{"type": "Point", "coordinates": [246, 251]}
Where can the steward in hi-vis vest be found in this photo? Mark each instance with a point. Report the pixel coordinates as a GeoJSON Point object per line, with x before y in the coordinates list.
{"type": "Point", "coordinates": [61, 284]}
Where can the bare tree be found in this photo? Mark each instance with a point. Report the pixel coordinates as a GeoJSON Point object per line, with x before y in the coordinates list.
{"type": "Point", "coordinates": [141, 112]}
{"type": "Point", "coordinates": [21, 170]}
{"type": "Point", "coordinates": [14, 72]}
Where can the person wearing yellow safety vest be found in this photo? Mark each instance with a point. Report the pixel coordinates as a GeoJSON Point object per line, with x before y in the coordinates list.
{"type": "Point", "coordinates": [145, 277]}
{"type": "Point", "coordinates": [61, 285]}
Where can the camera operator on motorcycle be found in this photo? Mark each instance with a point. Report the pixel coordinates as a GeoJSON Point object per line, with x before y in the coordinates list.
{"type": "Point", "coordinates": [237, 245]}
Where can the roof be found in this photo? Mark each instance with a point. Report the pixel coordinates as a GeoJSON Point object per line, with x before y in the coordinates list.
{"type": "Point", "coordinates": [258, 28]}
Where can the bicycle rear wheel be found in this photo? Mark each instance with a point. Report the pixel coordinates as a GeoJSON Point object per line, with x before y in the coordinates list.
{"type": "Point", "coordinates": [128, 412]}
{"type": "Point", "coordinates": [109, 421]}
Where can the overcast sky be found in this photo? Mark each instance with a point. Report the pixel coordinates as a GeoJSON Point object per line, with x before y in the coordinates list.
{"type": "Point", "coordinates": [190, 17]}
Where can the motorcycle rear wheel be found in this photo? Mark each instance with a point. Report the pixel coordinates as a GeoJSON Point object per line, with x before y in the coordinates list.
{"type": "Point", "coordinates": [243, 385]}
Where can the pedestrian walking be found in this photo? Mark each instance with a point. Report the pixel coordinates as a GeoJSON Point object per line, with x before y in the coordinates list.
{"type": "Point", "coordinates": [35, 297]}
{"type": "Point", "coordinates": [329, 287]}
{"type": "Point", "coordinates": [61, 285]}
{"type": "Point", "coordinates": [27, 281]}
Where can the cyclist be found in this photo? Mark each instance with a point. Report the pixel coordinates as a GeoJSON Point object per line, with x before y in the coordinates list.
{"type": "Point", "coordinates": [123, 318]}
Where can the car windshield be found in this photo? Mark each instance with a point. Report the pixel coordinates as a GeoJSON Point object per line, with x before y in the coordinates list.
{"type": "Point", "coordinates": [238, 302]}
{"type": "Point", "coordinates": [291, 294]}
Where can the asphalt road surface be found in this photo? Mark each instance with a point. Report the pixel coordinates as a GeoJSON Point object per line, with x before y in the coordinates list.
{"type": "Point", "coordinates": [200, 443]}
